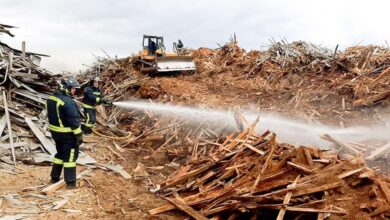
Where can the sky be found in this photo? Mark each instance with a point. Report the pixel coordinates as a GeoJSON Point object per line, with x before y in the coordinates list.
{"type": "Point", "coordinates": [71, 31]}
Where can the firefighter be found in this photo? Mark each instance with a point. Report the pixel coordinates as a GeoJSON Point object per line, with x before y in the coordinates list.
{"type": "Point", "coordinates": [93, 96]}
{"type": "Point", "coordinates": [64, 124]}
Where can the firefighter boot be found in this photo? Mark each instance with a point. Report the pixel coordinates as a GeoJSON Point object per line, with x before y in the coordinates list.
{"type": "Point", "coordinates": [70, 177]}
{"type": "Point", "coordinates": [72, 185]}
{"type": "Point", "coordinates": [56, 173]}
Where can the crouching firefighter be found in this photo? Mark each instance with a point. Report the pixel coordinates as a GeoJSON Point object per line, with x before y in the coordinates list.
{"type": "Point", "coordinates": [93, 96]}
{"type": "Point", "coordinates": [64, 125]}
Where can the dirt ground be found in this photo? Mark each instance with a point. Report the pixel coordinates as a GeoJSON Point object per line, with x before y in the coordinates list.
{"type": "Point", "coordinates": [102, 195]}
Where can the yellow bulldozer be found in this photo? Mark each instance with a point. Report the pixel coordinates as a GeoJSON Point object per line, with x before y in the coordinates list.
{"type": "Point", "coordinates": [155, 59]}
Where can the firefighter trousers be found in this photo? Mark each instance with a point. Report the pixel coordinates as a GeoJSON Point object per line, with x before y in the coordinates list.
{"type": "Point", "coordinates": [65, 158]}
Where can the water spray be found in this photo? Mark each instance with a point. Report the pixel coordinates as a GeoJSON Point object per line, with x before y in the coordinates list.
{"type": "Point", "coordinates": [288, 130]}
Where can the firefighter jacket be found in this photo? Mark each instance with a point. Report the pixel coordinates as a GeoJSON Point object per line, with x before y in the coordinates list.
{"type": "Point", "coordinates": [92, 97]}
{"type": "Point", "coordinates": [63, 114]}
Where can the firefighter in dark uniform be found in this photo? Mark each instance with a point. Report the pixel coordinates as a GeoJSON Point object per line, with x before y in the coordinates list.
{"type": "Point", "coordinates": [93, 96]}
{"type": "Point", "coordinates": [64, 124]}
{"type": "Point", "coordinates": [180, 44]}
{"type": "Point", "coordinates": [152, 46]}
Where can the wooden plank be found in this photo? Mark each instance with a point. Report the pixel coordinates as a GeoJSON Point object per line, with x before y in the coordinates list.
{"type": "Point", "coordinates": [11, 140]}
{"type": "Point", "coordinates": [273, 175]}
{"type": "Point", "coordinates": [180, 203]}
{"type": "Point", "coordinates": [315, 189]}
{"type": "Point", "coordinates": [384, 74]}
{"type": "Point", "coordinates": [13, 112]}
{"type": "Point", "coordinates": [325, 161]}
{"type": "Point", "coordinates": [286, 200]}
{"type": "Point", "coordinates": [254, 149]}
{"type": "Point", "coordinates": [349, 173]}
{"type": "Point", "coordinates": [308, 156]}
{"type": "Point", "coordinates": [300, 167]}
{"type": "Point", "coordinates": [299, 209]}
{"type": "Point", "coordinates": [3, 123]}
{"type": "Point", "coordinates": [31, 97]}
{"type": "Point", "coordinates": [59, 204]}
{"type": "Point", "coordinates": [371, 100]}
{"type": "Point", "coordinates": [378, 152]}
{"type": "Point", "coordinates": [339, 143]}
{"type": "Point", "coordinates": [266, 163]}
{"type": "Point", "coordinates": [47, 144]}
{"type": "Point", "coordinates": [161, 209]}
{"type": "Point", "coordinates": [15, 145]}
{"type": "Point", "coordinates": [28, 88]}
{"type": "Point", "coordinates": [25, 75]}
{"type": "Point", "coordinates": [54, 187]}
{"type": "Point", "coordinates": [23, 49]}
{"type": "Point", "coordinates": [384, 188]}
{"type": "Point", "coordinates": [296, 209]}
{"type": "Point", "coordinates": [10, 61]}
{"type": "Point", "coordinates": [220, 209]}
{"type": "Point", "coordinates": [190, 174]}
{"type": "Point", "coordinates": [14, 81]}
{"type": "Point", "coordinates": [190, 200]}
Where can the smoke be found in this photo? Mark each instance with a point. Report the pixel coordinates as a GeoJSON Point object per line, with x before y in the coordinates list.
{"type": "Point", "coordinates": [288, 130]}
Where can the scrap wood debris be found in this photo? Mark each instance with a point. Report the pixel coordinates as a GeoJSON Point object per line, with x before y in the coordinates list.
{"type": "Point", "coordinates": [359, 73]}
{"type": "Point", "coordinates": [304, 181]}
{"type": "Point", "coordinates": [254, 175]}
{"type": "Point", "coordinates": [25, 87]}
{"type": "Point", "coordinates": [243, 175]}
{"type": "Point", "coordinates": [304, 75]}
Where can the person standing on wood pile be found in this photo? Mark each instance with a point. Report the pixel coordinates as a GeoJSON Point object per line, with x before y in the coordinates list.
{"type": "Point", "coordinates": [180, 44]}
{"type": "Point", "coordinates": [93, 96]}
{"type": "Point", "coordinates": [65, 128]}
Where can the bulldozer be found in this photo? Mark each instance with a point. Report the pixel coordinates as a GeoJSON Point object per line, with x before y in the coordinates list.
{"type": "Point", "coordinates": [155, 59]}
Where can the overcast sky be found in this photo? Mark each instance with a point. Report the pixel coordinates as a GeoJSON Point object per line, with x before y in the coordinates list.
{"type": "Point", "coordinates": [71, 30]}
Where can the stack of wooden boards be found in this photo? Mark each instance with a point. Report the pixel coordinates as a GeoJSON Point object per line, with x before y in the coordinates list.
{"type": "Point", "coordinates": [254, 176]}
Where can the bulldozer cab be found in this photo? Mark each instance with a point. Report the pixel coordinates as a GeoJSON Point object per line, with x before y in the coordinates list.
{"type": "Point", "coordinates": [153, 46]}
{"type": "Point", "coordinates": [154, 58]}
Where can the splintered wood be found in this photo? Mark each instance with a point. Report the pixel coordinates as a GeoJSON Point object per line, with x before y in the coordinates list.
{"type": "Point", "coordinates": [283, 182]}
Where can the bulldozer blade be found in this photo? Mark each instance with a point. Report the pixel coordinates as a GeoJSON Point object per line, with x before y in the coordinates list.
{"type": "Point", "coordinates": [175, 63]}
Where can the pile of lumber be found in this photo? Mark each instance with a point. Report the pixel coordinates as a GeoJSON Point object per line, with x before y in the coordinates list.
{"type": "Point", "coordinates": [23, 70]}
{"type": "Point", "coordinates": [24, 87]}
{"type": "Point", "coordinates": [249, 176]}
{"type": "Point", "coordinates": [287, 55]}
{"type": "Point", "coordinates": [360, 73]}
{"type": "Point", "coordinates": [120, 79]}
{"type": "Point", "coordinates": [357, 76]}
